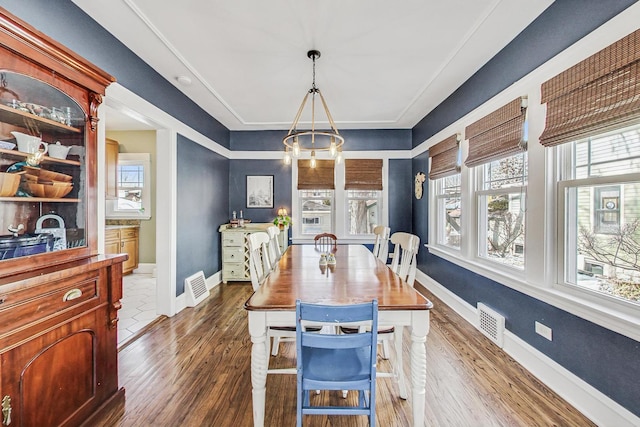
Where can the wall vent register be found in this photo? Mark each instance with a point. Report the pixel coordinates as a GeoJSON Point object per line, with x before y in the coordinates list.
{"type": "Point", "coordinates": [491, 324]}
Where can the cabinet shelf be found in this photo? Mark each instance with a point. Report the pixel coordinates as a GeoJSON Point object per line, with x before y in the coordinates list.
{"type": "Point", "coordinates": [38, 200]}
{"type": "Point", "coordinates": [46, 159]}
{"type": "Point", "coordinates": [18, 117]}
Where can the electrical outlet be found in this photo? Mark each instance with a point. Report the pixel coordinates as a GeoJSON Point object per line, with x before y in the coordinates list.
{"type": "Point", "coordinates": [544, 330]}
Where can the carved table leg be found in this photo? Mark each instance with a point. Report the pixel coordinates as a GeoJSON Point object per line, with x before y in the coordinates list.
{"type": "Point", "coordinates": [258, 331]}
{"type": "Point", "coordinates": [419, 331]}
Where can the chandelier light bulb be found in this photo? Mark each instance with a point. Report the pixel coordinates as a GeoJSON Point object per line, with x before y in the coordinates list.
{"type": "Point", "coordinates": [313, 159]}
{"type": "Point", "coordinates": [287, 157]}
{"type": "Point", "coordinates": [332, 147]}
{"type": "Point", "coordinates": [296, 147]}
{"type": "Point", "coordinates": [339, 156]}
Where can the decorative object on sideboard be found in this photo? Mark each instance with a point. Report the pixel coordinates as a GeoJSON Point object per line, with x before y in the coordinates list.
{"type": "Point", "coordinates": [283, 219]}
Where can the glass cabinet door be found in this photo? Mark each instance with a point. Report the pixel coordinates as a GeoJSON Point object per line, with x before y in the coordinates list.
{"type": "Point", "coordinates": [43, 168]}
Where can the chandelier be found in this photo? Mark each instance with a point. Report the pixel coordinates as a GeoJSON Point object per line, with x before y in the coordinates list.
{"type": "Point", "coordinates": [312, 140]}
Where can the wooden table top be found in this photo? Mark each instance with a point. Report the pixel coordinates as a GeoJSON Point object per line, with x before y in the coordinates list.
{"type": "Point", "coordinates": [357, 277]}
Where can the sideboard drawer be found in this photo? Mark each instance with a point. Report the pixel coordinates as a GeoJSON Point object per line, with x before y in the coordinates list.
{"type": "Point", "coordinates": [25, 306]}
{"type": "Point", "coordinates": [233, 271]}
{"type": "Point", "coordinates": [233, 254]}
{"type": "Point", "coordinates": [233, 239]}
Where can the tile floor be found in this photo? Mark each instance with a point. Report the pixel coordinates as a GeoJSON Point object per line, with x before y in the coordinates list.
{"type": "Point", "coordinates": [138, 305]}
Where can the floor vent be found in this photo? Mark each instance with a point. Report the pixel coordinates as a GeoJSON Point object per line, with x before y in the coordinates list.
{"type": "Point", "coordinates": [491, 324]}
{"type": "Point", "coordinates": [196, 289]}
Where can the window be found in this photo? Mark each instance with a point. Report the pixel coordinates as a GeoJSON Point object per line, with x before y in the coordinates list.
{"type": "Point", "coordinates": [345, 198]}
{"type": "Point", "coordinates": [363, 195]}
{"type": "Point", "coordinates": [449, 211]}
{"type": "Point", "coordinates": [501, 204]}
{"type": "Point", "coordinates": [316, 207]}
{"type": "Point", "coordinates": [497, 150]}
{"type": "Point", "coordinates": [363, 211]}
{"type": "Point", "coordinates": [444, 171]}
{"type": "Point", "coordinates": [133, 181]}
{"type": "Point", "coordinates": [600, 189]}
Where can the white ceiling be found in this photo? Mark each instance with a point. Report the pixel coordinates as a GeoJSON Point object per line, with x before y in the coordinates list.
{"type": "Point", "coordinates": [384, 64]}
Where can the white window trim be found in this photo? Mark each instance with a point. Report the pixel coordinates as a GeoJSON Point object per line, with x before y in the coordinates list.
{"type": "Point", "coordinates": [134, 158]}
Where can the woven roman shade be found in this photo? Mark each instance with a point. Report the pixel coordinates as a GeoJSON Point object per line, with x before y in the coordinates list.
{"type": "Point", "coordinates": [318, 178]}
{"type": "Point", "coordinates": [497, 135]}
{"type": "Point", "coordinates": [444, 157]}
{"type": "Point", "coordinates": [596, 95]}
{"type": "Point", "coordinates": [363, 174]}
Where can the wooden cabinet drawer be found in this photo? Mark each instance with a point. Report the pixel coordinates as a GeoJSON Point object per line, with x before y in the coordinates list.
{"type": "Point", "coordinates": [233, 254]}
{"type": "Point", "coordinates": [129, 233]}
{"type": "Point", "coordinates": [233, 271]}
{"type": "Point", "coordinates": [233, 239]}
{"type": "Point", "coordinates": [28, 305]}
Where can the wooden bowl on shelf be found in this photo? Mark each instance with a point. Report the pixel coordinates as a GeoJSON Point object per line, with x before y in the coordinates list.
{"type": "Point", "coordinates": [55, 190]}
{"type": "Point", "coordinates": [9, 183]}
{"type": "Point", "coordinates": [47, 174]}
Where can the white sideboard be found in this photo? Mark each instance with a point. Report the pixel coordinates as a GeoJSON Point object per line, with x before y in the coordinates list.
{"type": "Point", "coordinates": [235, 251]}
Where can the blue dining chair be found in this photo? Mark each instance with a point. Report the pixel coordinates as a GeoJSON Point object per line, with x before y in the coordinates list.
{"type": "Point", "coordinates": [337, 362]}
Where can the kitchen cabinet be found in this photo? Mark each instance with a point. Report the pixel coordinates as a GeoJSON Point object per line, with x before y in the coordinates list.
{"type": "Point", "coordinates": [59, 299]}
{"type": "Point", "coordinates": [123, 240]}
{"type": "Point", "coordinates": [111, 162]}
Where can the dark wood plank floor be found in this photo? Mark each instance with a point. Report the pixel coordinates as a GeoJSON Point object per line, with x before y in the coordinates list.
{"type": "Point", "coordinates": [194, 370]}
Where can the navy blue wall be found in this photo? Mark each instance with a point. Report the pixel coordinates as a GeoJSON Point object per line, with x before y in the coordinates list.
{"type": "Point", "coordinates": [420, 208]}
{"type": "Point", "coordinates": [202, 205]}
{"type": "Point", "coordinates": [400, 195]}
{"type": "Point", "coordinates": [66, 23]}
{"type": "Point", "coordinates": [605, 359]}
{"type": "Point", "coordinates": [238, 171]}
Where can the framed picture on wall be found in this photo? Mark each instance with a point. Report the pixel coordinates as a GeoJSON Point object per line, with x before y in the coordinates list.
{"type": "Point", "coordinates": [259, 191]}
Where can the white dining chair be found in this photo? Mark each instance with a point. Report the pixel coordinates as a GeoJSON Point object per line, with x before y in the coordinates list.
{"type": "Point", "coordinates": [273, 246]}
{"type": "Point", "coordinates": [259, 270]}
{"type": "Point", "coordinates": [405, 253]}
{"type": "Point", "coordinates": [259, 265]}
{"type": "Point", "coordinates": [381, 244]}
{"type": "Point", "coordinates": [404, 264]}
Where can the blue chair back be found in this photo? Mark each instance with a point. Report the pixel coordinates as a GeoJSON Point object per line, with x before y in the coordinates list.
{"type": "Point", "coordinates": [337, 362]}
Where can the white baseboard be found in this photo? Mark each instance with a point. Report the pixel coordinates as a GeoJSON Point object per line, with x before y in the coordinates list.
{"type": "Point", "coordinates": [146, 268]}
{"type": "Point", "coordinates": [214, 280]}
{"type": "Point", "coordinates": [211, 282]}
{"type": "Point", "coordinates": [596, 406]}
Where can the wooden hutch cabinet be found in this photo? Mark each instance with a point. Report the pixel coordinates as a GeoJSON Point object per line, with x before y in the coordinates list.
{"type": "Point", "coordinates": [59, 298]}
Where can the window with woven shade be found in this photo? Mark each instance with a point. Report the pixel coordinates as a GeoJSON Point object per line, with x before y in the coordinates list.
{"type": "Point", "coordinates": [593, 120]}
{"type": "Point", "coordinates": [498, 135]}
{"type": "Point", "coordinates": [363, 174]}
{"type": "Point", "coordinates": [596, 95]}
{"type": "Point", "coordinates": [319, 178]}
{"type": "Point", "coordinates": [444, 157]}
{"type": "Point", "coordinates": [497, 145]}
{"type": "Point", "coordinates": [363, 191]}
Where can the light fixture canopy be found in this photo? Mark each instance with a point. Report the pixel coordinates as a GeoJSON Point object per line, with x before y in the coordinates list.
{"type": "Point", "coordinates": [312, 140]}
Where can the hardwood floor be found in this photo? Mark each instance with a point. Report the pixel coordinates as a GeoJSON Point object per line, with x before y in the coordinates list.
{"type": "Point", "coordinates": [194, 370]}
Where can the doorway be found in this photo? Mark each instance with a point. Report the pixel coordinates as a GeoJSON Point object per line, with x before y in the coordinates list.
{"type": "Point", "coordinates": [125, 123]}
